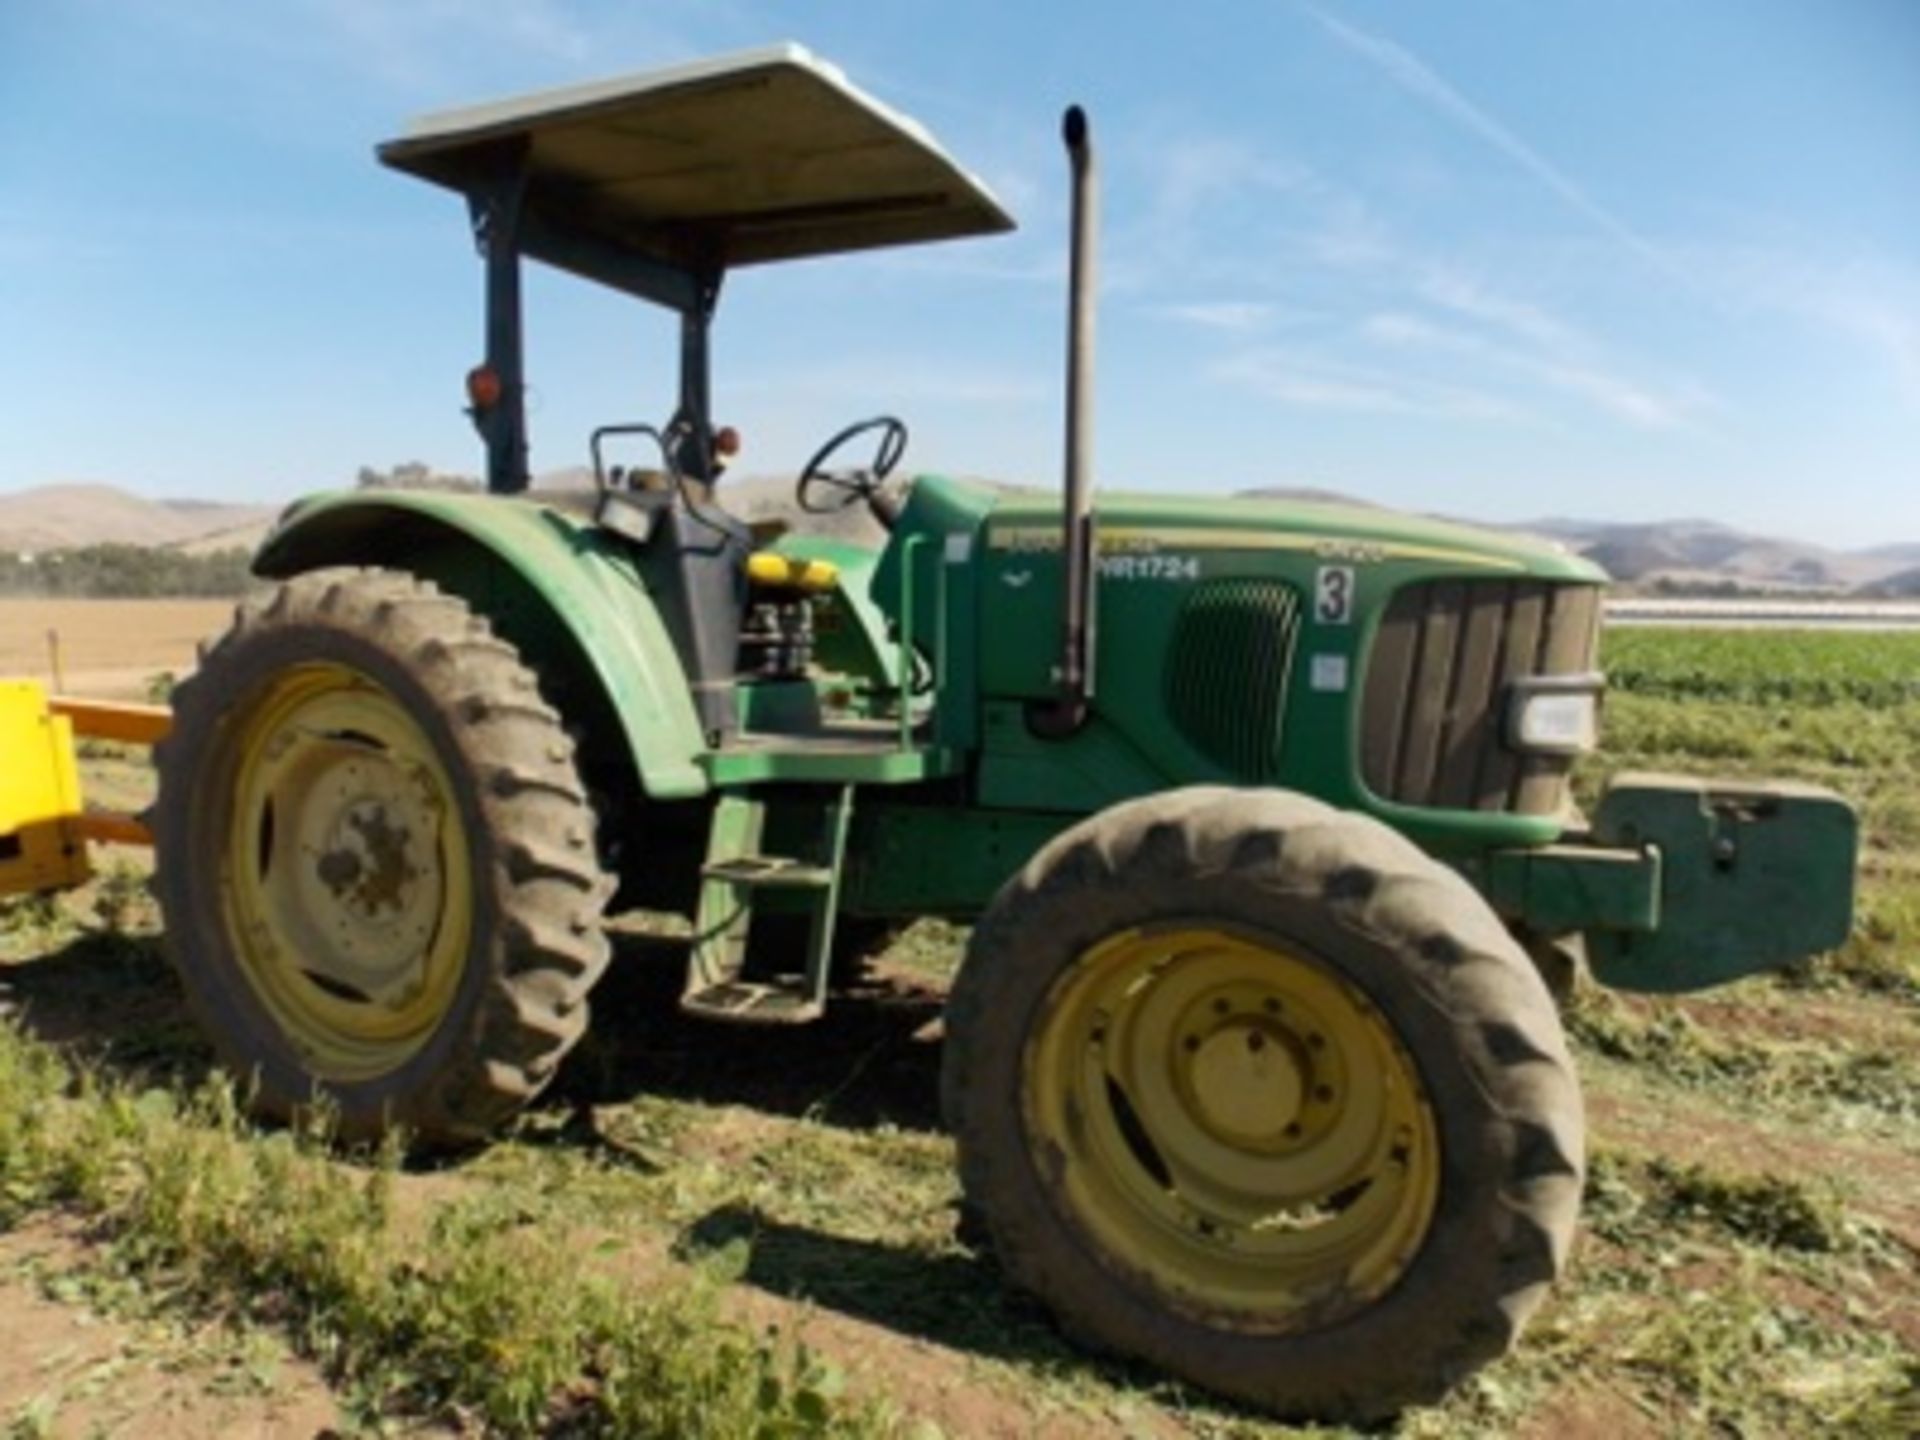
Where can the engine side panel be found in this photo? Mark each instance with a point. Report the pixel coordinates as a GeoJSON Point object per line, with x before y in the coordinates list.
{"type": "Point", "coordinates": [1233, 647]}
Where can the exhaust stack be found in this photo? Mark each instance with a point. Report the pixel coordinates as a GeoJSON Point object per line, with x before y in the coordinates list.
{"type": "Point", "coordinates": [1075, 672]}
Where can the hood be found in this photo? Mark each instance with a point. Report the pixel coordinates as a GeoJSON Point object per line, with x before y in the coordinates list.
{"type": "Point", "coordinates": [1225, 523]}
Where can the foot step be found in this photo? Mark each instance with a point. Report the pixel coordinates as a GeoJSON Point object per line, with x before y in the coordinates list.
{"type": "Point", "coordinates": [736, 880]}
{"type": "Point", "coordinates": [742, 1002]}
{"type": "Point", "coordinates": [769, 870]}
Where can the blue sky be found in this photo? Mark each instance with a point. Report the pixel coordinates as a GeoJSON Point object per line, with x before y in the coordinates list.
{"type": "Point", "coordinates": [1616, 258]}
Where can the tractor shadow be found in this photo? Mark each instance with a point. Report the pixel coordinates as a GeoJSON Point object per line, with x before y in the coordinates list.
{"type": "Point", "coordinates": [958, 1299]}
{"type": "Point", "coordinates": [872, 1060]}
{"type": "Point", "coordinates": [110, 1000]}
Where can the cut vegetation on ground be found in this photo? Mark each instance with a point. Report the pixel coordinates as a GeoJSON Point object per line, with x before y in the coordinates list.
{"type": "Point", "coordinates": [704, 1230]}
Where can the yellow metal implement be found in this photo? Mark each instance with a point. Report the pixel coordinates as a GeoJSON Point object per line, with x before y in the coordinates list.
{"type": "Point", "coordinates": [40, 846]}
{"type": "Point", "coordinates": [102, 720]}
{"type": "Point", "coordinates": [44, 823]}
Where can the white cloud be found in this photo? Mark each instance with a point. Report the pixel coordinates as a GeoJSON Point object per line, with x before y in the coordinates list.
{"type": "Point", "coordinates": [1023, 265]}
{"type": "Point", "coordinates": [1616, 395]}
{"type": "Point", "coordinates": [407, 44]}
{"type": "Point", "coordinates": [1512, 343]}
{"type": "Point", "coordinates": [1896, 335]}
{"type": "Point", "coordinates": [1418, 79]}
{"type": "Point", "coordinates": [1346, 235]}
{"type": "Point", "coordinates": [1451, 290]}
{"type": "Point", "coordinates": [321, 52]}
{"type": "Point", "coordinates": [890, 381]}
{"type": "Point", "coordinates": [1317, 383]}
{"type": "Point", "coordinates": [1866, 301]}
{"type": "Point", "coordinates": [1238, 316]}
{"type": "Point", "coordinates": [1187, 196]}
{"type": "Point", "coordinates": [1190, 172]}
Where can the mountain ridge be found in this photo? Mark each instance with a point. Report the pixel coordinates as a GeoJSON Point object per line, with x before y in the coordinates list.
{"type": "Point", "coordinates": [1683, 554]}
{"type": "Point", "coordinates": [74, 514]}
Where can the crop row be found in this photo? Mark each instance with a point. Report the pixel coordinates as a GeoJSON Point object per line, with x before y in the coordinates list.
{"type": "Point", "coordinates": [1788, 667]}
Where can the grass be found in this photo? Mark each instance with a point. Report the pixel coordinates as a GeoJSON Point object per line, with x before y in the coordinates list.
{"type": "Point", "coordinates": [1764, 1319]}
{"type": "Point", "coordinates": [434, 1313]}
{"type": "Point", "coordinates": [1874, 1071]}
{"type": "Point", "coordinates": [1766, 667]}
{"type": "Point", "coordinates": [1748, 1265]}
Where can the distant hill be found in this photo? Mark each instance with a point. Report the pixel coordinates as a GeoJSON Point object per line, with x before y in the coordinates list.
{"type": "Point", "coordinates": [59, 517]}
{"type": "Point", "coordinates": [1661, 556]}
{"type": "Point", "coordinates": [1693, 554]}
{"type": "Point", "coordinates": [1901, 585]}
{"type": "Point", "coordinates": [1705, 551]}
{"type": "Point", "coordinates": [1312, 493]}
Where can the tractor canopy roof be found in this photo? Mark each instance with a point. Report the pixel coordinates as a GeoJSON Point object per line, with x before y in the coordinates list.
{"type": "Point", "coordinates": [765, 155]}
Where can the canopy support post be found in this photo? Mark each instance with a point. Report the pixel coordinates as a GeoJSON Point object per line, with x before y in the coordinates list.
{"type": "Point", "coordinates": [494, 206]}
{"type": "Point", "coordinates": [695, 418]}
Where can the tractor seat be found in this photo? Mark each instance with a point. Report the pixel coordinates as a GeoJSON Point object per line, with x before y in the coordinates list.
{"type": "Point", "coordinates": [787, 574]}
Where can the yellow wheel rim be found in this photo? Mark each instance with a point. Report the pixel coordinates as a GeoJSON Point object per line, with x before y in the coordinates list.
{"type": "Point", "coordinates": [345, 884]}
{"type": "Point", "coordinates": [1234, 1123]}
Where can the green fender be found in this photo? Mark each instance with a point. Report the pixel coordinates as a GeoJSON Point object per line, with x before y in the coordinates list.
{"type": "Point", "coordinates": [565, 591]}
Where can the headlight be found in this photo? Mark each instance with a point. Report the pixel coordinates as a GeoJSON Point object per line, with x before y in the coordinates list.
{"type": "Point", "coordinates": [1555, 714]}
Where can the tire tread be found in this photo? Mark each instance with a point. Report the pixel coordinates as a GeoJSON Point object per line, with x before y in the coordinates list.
{"type": "Point", "coordinates": [543, 944]}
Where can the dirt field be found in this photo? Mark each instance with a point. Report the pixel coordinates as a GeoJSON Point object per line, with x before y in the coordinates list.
{"type": "Point", "coordinates": [1747, 1265]}
{"type": "Point", "coordinates": [112, 649]}
{"type": "Point", "coordinates": [73, 1367]}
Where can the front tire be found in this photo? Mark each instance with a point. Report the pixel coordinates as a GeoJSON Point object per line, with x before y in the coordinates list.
{"type": "Point", "coordinates": [1255, 1091]}
{"type": "Point", "coordinates": [376, 860]}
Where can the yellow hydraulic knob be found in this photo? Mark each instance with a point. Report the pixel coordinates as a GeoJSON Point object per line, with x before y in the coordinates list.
{"type": "Point", "coordinates": [786, 572]}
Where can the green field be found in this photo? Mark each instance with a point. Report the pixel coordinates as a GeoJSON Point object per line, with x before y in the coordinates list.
{"type": "Point", "coordinates": [730, 1233]}
{"type": "Point", "coordinates": [1789, 667]}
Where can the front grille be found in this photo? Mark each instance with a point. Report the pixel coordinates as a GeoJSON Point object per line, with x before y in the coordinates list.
{"type": "Point", "coordinates": [1434, 718]}
{"type": "Point", "coordinates": [1227, 668]}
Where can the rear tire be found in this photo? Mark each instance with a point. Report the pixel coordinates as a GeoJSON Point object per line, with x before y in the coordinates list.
{"type": "Point", "coordinates": [376, 860]}
{"type": "Point", "coordinates": [1127, 1040]}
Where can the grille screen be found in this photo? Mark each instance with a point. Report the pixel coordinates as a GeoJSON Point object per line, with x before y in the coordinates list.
{"type": "Point", "coordinates": [1432, 728]}
{"type": "Point", "coordinates": [1226, 676]}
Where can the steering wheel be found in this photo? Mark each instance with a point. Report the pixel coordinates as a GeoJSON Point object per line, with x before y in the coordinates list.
{"type": "Point", "coordinates": [852, 485]}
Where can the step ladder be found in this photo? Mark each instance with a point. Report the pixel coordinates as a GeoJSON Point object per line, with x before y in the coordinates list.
{"type": "Point", "coordinates": [738, 872]}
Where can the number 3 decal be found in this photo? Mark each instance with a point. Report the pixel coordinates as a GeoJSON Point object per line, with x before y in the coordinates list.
{"type": "Point", "coordinates": [1333, 594]}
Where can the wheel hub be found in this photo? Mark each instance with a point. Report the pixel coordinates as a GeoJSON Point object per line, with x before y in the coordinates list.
{"type": "Point", "coordinates": [346, 882]}
{"type": "Point", "coordinates": [1246, 1082]}
{"type": "Point", "coordinates": [368, 869]}
{"type": "Point", "coordinates": [364, 881]}
{"type": "Point", "coordinates": [1233, 1122]}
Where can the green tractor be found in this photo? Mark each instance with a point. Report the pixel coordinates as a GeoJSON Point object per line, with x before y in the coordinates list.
{"type": "Point", "coordinates": [1259, 812]}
